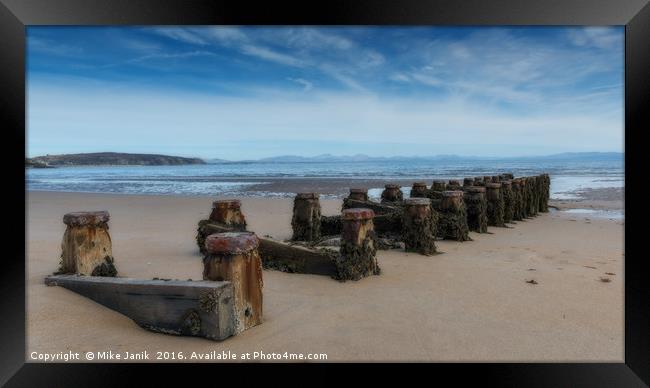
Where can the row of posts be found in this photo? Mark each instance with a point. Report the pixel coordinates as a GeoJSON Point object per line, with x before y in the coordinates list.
{"type": "Point", "coordinates": [446, 209]}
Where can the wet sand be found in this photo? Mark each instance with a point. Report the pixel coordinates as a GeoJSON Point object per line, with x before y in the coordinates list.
{"type": "Point", "coordinates": [472, 303]}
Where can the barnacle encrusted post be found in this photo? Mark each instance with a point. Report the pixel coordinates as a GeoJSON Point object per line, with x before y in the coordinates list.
{"type": "Point", "coordinates": [508, 201]}
{"type": "Point", "coordinates": [234, 257]}
{"type": "Point", "coordinates": [226, 214]}
{"type": "Point", "coordinates": [419, 190]}
{"type": "Point", "coordinates": [495, 204]}
{"type": "Point", "coordinates": [358, 247]}
{"type": "Point", "coordinates": [452, 217]}
{"type": "Point", "coordinates": [476, 203]}
{"type": "Point", "coordinates": [392, 194]}
{"type": "Point", "coordinates": [531, 183]}
{"type": "Point", "coordinates": [545, 192]}
{"type": "Point", "coordinates": [419, 226]}
{"type": "Point", "coordinates": [306, 217]}
{"type": "Point", "coordinates": [467, 182]}
{"type": "Point", "coordinates": [358, 194]}
{"type": "Point", "coordinates": [525, 207]}
{"type": "Point", "coordinates": [86, 247]}
{"type": "Point", "coordinates": [516, 200]}
{"type": "Point", "coordinates": [435, 194]}
{"type": "Point", "coordinates": [454, 185]}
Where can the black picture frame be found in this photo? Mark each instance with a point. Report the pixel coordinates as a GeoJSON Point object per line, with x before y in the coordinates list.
{"type": "Point", "coordinates": [15, 15]}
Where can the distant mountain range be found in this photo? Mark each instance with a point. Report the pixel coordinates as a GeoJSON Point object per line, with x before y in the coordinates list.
{"type": "Point", "coordinates": [109, 158]}
{"type": "Point", "coordinates": [328, 158]}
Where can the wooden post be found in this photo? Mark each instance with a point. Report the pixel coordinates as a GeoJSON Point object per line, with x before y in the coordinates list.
{"type": "Point", "coordinates": [86, 246]}
{"type": "Point", "coordinates": [545, 193]}
{"type": "Point", "coordinates": [435, 194]}
{"type": "Point", "coordinates": [357, 254]}
{"type": "Point", "coordinates": [478, 181]}
{"type": "Point", "coordinates": [496, 179]}
{"type": "Point", "coordinates": [495, 204]}
{"type": "Point", "coordinates": [467, 182]}
{"type": "Point", "coordinates": [531, 184]}
{"type": "Point", "coordinates": [524, 197]}
{"type": "Point", "coordinates": [516, 200]}
{"type": "Point", "coordinates": [454, 185]}
{"type": "Point", "coordinates": [487, 179]}
{"type": "Point", "coordinates": [234, 257]}
{"type": "Point", "coordinates": [391, 194]}
{"type": "Point", "coordinates": [419, 190]}
{"type": "Point", "coordinates": [452, 223]}
{"type": "Point", "coordinates": [508, 201]}
{"type": "Point", "coordinates": [358, 194]}
{"type": "Point", "coordinates": [476, 202]}
{"type": "Point", "coordinates": [228, 212]}
{"type": "Point", "coordinates": [306, 217]}
{"type": "Point", "coordinates": [419, 223]}
{"type": "Point", "coordinates": [439, 185]}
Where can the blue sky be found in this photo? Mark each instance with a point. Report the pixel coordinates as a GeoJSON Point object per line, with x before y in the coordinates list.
{"type": "Point", "coordinates": [249, 92]}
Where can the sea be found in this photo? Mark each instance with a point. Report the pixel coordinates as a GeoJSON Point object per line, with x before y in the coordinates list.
{"type": "Point", "coordinates": [568, 176]}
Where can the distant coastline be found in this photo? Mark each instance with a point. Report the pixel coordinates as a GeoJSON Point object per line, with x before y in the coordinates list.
{"type": "Point", "coordinates": [109, 159]}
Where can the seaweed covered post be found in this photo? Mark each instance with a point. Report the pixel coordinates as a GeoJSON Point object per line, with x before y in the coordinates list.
{"type": "Point", "coordinates": [508, 201]}
{"type": "Point", "coordinates": [516, 200]}
{"type": "Point", "coordinates": [358, 194]}
{"type": "Point", "coordinates": [454, 185]}
{"type": "Point", "coordinates": [227, 212]}
{"type": "Point", "coordinates": [495, 207]}
{"type": "Point", "coordinates": [452, 217]}
{"type": "Point", "coordinates": [496, 179]}
{"type": "Point", "coordinates": [545, 193]}
{"type": "Point", "coordinates": [392, 194]}
{"type": "Point", "coordinates": [234, 257]}
{"type": "Point", "coordinates": [467, 182]}
{"type": "Point", "coordinates": [487, 179]}
{"type": "Point", "coordinates": [531, 184]}
{"type": "Point", "coordinates": [476, 203]}
{"type": "Point", "coordinates": [419, 190]}
{"type": "Point", "coordinates": [478, 181]}
{"type": "Point", "coordinates": [306, 217]}
{"type": "Point", "coordinates": [86, 247]}
{"type": "Point", "coordinates": [435, 194]}
{"type": "Point", "coordinates": [524, 197]}
{"type": "Point", "coordinates": [419, 226]}
{"type": "Point", "coordinates": [358, 247]}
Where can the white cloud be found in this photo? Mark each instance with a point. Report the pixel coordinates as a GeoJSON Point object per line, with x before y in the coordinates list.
{"type": "Point", "coordinates": [600, 37]}
{"type": "Point", "coordinates": [270, 55]}
{"type": "Point", "coordinates": [306, 85]}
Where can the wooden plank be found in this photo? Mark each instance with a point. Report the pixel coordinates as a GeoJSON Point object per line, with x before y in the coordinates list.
{"type": "Point", "coordinates": [291, 258]}
{"type": "Point", "coordinates": [194, 308]}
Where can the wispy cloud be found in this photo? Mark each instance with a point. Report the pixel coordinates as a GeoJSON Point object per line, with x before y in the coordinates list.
{"type": "Point", "coordinates": [307, 86]}
{"type": "Point", "coordinates": [270, 55]}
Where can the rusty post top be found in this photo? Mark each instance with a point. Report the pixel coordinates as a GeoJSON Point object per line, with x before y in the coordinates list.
{"type": "Point", "coordinates": [475, 189]}
{"type": "Point", "coordinates": [452, 193]}
{"type": "Point", "coordinates": [307, 196]}
{"type": "Point", "coordinates": [358, 191]}
{"type": "Point", "coordinates": [392, 186]}
{"type": "Point", "coordinates": [419, 184]}
{"type": "Point", "coordinates": [86, 218]}
{"type": "Point", "coordinates": [231, 243]}
{"type": "Point", "coordinates": [493, 185]}
{"type": "Point", "coordinates": [358, 213]}
{"type": "Point", "coordinates": [227, 204]}
{"type": "Point", "coordinates": [417, 202]}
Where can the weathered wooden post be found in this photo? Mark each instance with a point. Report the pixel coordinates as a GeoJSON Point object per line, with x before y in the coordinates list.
{"type": "Point", "coordinates": [516, 200]}
{"type": "Point", "coordinates": [495, 204]}
{"type": "Point", "coordinates": [358, 249]}
{"type": "Point", "coordinates": [467, 182]}
{"type": "Point", "coordinates": [306, 217]}
{"type": "Point", "coordinates": [227, 212]}
{"type": "Point", "coordinates": [487, 179]}
{"type": "Point", "coordinates": [234, 257]}
{"type": "Point", "coordinates": [476, 203]}
{"type": "Point", "coordinates": [435, 194]}
{"type": "Point", "coordinates": [524, 197]}
{"type": "Point", "coordinates": [531, 183]}
{"type": "Point", "coordinates": [452, 224]}
{"type": "Point", "coordinates": [545, 193]}
{"type": "Point", "coordinates": [392, 194]}
{"type": "Point", "coordinates": [496, 179]}
{"type": "Point", "coordinates": [478, 181]}
{"type": "Point", "coordinates": [358, 194]}
{"type": "Point", "coordinates": [86, 245]}
{"type": "Point", "coordinates": [508, 201]}
{"type": "Point", "coordinates": [419, 226]}
{"type": "Point", "coordinates": [454, 185]}
{"type": "Point", "coordinates": [419, 190]}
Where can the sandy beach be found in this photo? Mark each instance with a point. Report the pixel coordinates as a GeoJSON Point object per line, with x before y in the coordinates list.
{"type": "Point", "coordinates": [472, 303]}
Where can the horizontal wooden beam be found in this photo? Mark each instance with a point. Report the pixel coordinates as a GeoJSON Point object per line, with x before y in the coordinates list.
{"type": "Point", "coordinates": [193, 308]}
